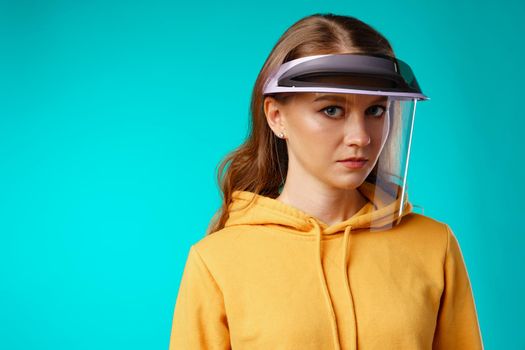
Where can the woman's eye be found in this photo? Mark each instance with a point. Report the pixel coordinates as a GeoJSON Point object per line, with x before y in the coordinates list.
{"type": "Point", "coordinates": [331, 111]}
{"type": "Point", "coordinates": [376, 111]}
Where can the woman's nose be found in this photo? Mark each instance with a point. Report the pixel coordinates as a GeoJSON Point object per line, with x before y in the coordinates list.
{"type": "Point", "coordinates": [355, 132]}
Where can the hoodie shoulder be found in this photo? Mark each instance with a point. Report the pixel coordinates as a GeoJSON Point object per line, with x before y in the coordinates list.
{"type": "Point", "coordinates": [219, 240]}
{"type": "Point", "coordinates": [429, 231]}
{"type": "Point", "coordinates": [225, 248]}
{"type": "Point", "coordinates": [425, 224]}
{"type": "Point", "coordinates": [424, 220]}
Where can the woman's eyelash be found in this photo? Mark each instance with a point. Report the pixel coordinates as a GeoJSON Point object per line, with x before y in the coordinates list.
{"type": "Point", "coordinates": [332, 106]}
{"type": "Point", "coordinates": [382, 107]}
{"type": "Point", "coordinates": [335, 106]}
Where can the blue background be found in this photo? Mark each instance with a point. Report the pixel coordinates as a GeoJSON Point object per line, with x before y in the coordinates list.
{"type": "Point", "coordinates": [113, 116]}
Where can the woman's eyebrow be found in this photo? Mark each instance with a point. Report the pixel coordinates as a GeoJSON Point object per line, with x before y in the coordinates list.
{"type": "Point", "coordinates": [330, 98]}
{"type": "Point", "coordinates": [380, 99]}
{"type": "Point", "coordinates": [343, 99]}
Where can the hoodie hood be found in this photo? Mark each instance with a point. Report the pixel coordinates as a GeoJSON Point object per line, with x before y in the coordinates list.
{"type": "Point", "coordinates": [380, 212]}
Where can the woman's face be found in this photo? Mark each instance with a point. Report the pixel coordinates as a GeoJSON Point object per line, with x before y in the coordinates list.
{"type": "Point", "coordinates": [322, 129]}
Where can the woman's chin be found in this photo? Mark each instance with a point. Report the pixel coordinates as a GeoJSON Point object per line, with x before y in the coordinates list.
{"type": "Point", "coordinates": [349, 182]}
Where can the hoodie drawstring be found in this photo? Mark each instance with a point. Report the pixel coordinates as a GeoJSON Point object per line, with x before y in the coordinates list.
{"type": "Point", "coordinates": [346, 240]}
{"type": "Point", "coordinates": [322, 278]}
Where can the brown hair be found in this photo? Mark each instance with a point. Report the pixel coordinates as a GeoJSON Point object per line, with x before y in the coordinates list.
{"type": "Point", "coordinates": [255, 166]}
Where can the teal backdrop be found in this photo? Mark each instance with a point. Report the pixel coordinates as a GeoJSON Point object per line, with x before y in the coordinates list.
{"type": "Point", "coordinates": [114, 115]}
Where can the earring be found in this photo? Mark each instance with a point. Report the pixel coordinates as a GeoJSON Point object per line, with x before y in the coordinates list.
{"type": "Point", "coordinates": [281, 135]}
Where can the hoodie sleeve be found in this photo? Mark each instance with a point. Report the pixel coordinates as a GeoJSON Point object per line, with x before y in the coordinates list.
{"type": "Point", "coordinates": [199, 320]}
{"type": "Point", "coordinates": [457, 324]}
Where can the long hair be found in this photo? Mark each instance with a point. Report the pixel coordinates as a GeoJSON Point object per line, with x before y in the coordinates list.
{"type": "Point", "coordinates": [261, 162]}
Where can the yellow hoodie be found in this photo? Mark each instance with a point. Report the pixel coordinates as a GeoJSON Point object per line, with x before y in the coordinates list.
{"type": "Point", "coordinates": [278, 278]}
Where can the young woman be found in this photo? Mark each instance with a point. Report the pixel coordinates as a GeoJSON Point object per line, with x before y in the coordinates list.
{"type": "Point", "coordinates": [316, 245]}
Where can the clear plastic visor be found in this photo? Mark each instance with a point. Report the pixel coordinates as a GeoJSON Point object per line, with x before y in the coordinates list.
{"type": "Point", "coordinates": [375, 127]}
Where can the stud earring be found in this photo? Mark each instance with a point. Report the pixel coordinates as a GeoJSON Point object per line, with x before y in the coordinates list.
{"type": "Point", "coordinates": [281, 135]}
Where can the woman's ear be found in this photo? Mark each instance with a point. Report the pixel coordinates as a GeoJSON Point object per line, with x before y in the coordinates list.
{"type": "Point", "coordinates": [273, 110]}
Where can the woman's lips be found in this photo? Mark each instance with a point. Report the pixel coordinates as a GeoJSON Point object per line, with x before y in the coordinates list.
{"type": "Point", "coordinates": [353, 164]}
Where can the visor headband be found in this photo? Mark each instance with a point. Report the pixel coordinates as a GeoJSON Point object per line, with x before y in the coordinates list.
{"type": "Point", "coordinates": [322, 73]}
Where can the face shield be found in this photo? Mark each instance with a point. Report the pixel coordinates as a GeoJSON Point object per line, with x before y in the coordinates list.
{"type": "Point", "coordinates": [388, 92]}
